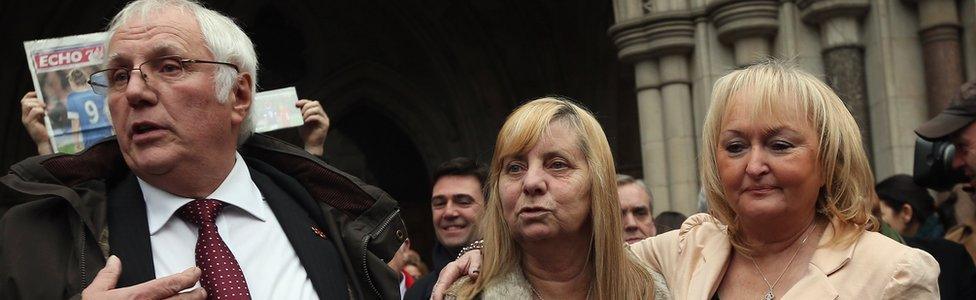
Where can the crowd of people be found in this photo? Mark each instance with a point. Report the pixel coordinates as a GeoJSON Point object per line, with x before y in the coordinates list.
{"type": "Point", "coordinates": [186, 202]}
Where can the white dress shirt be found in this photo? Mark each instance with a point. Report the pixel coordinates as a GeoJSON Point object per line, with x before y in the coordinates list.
{"type": "Point", "coordinates": [246, 224]}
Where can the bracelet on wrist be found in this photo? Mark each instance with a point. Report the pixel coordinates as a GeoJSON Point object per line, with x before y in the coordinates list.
{"type": "Point", "coordinates": [476, 245]}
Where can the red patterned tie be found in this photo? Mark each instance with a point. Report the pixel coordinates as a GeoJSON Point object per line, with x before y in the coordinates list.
{"type": "Point", "coordinates": [222, 277]}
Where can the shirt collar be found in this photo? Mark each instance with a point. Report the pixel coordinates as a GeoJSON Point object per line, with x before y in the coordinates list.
{"type": "Point", "coordinates": [237, 190]}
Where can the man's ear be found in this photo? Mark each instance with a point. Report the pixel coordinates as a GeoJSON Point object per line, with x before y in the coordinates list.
{"type": "Point", "coordinates": [242, 97]}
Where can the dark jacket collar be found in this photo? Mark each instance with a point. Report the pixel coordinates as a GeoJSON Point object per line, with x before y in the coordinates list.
{"type": "Point", "coordinates": [442, 255]}
{"type": "Point", "coordinates": [83, 179]}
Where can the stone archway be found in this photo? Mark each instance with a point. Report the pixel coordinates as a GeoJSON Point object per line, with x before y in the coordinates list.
{"type": "Point", "coordinates": [386, 91]}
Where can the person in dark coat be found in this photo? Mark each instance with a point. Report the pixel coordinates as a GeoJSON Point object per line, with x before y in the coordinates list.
{"type": "Point", "coordinates": [908, 208]}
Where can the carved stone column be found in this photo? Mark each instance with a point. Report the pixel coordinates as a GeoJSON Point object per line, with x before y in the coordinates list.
{"type": "Point", "coordinates": [650, 111]}
{"type": "Point", "coordinates": [843, 54]}
{"type": "Point", "coordinates": [941, 51]}
{"type": "Point", "coordinates": [747, 25]}
{"type": "Point", "coordinates": [679, 131]}
{"type": "Point", "coordinates": [658, 44]}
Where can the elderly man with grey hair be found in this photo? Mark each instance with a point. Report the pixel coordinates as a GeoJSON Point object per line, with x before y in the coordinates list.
{"type": "Point", "coordinates": [186, 202]}
{"type": "Point", "coordinates": [636, 208]}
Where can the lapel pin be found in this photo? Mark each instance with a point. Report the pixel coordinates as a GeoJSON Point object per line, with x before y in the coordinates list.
{"type": "Point", "coordinates": [318, 232]}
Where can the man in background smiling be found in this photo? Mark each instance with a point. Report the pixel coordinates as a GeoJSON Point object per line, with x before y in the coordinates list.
{"type": "Point", "coordinates": [457, 201]}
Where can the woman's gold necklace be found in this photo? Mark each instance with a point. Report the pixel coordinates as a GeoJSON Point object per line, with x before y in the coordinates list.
{"type": "Point", "coordinates": [769, 292]}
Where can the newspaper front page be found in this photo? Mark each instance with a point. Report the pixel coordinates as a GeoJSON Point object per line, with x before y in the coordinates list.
{"type": "Point", "coordinates": [75, 117]}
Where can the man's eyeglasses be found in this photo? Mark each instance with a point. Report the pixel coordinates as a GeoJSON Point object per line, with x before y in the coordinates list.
{"type": "Point", "coordinates": [166, 69]}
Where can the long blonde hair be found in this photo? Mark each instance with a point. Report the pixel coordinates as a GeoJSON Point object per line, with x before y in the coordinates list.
{"type": "Point", "coordinates": [846, 197]}
{"type": "Point", "coordinates": [617, 274]}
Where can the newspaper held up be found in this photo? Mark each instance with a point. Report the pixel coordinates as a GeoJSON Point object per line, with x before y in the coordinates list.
{"type": "Point", "coordinates": [275, 109]}
{"type": "Point", "coordinates": [75, 117]}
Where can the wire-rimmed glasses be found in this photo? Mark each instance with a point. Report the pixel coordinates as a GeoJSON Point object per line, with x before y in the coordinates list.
{"type": "Point", "coordinates": [165, 68]}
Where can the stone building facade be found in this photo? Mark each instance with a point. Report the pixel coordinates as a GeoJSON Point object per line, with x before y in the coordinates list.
{"type": "Point", "coordinates": [895, 63]}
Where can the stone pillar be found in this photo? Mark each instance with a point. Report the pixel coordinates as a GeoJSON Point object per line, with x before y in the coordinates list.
{"type": "Point", "coordinates": [664, 101]}
{"type": "Point", "coordinates": [704, 73]}
{"type": "Point", "coordinates": [747, 25]}
{"type": "Point", "coordinates": [651, 113]}
{"type": "Point", "coordinates": [941, 51]}
{"type": "Point", "coordinates": [627, 9]}
{"type": "Point", "coordinates": [679, 132]}
{"type": "Point", "coordinates": [843, 54]}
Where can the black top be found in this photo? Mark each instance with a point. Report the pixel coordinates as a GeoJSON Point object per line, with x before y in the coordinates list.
{"type": "Point", "coordinates": [957, 276]}
{"type": "Point", "coordinates": [423, 287]}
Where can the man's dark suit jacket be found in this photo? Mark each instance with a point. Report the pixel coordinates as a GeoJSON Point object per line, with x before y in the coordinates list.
{"type": "Point", "coordinates": [130, 241]}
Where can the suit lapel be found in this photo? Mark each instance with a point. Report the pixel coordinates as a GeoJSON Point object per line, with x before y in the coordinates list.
{"type": "Point", "coordinates": [826, 260]}
{"type": "Point", "coordinates": [708, 276]}
{"type": "Point", "coordinates": [312, 245]}
{"type": "Point", "coordinates": [830, 259]}
{"type": "Point", "coordinates": [129, 232]}
{"type": "Point", "coordinates": [814, 285]}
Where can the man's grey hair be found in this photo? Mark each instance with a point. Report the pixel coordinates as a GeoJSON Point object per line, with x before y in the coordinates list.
{"type": "Point", "coordinates": [223, 38]}
{"type": "Point", "coordinates": [623, 180]}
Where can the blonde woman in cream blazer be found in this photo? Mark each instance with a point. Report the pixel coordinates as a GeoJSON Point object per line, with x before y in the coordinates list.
{"type": "Point", "coordinates": [790, 195]}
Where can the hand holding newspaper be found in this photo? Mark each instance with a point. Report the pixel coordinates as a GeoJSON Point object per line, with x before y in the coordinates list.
{"type": "Point", "coordinates": [77, 118]}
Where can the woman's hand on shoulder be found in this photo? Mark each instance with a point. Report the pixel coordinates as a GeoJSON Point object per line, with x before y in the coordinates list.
{"type": "Point", "coordinates": [468, 264]}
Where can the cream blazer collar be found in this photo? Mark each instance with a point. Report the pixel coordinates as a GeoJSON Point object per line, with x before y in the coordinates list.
{"type": "Point", "coordinates": [814, 285]}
